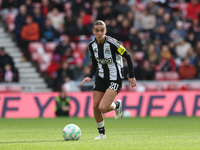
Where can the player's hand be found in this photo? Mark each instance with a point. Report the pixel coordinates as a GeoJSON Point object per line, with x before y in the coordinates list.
{"type": "Point", "coordinates": [132, 82]}
{"type": "Point", "coordinates": [87, 79]}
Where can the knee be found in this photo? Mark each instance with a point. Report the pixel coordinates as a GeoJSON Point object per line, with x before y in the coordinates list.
{"type": "Point", "coordinates": [96, 107]}
{"type": "Point", "coordinates": [103, 109]}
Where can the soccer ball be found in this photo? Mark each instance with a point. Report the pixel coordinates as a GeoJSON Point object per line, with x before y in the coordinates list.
{"type": "Point", "coordinates": [71, 132]}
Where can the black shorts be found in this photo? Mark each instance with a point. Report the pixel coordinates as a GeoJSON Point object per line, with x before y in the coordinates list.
{"type": "Point", "coordinates": [102, 85]}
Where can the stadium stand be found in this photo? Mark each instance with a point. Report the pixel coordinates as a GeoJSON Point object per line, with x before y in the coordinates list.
{"type": "Point", "coordinates": [143, 36]}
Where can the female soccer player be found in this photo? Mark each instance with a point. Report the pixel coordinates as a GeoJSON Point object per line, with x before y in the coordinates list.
{"type": "Point", "coordinates": [106, 53]}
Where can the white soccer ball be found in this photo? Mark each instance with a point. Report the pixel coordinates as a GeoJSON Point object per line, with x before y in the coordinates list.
{"type": "Point", "coordinates": [71, 132]}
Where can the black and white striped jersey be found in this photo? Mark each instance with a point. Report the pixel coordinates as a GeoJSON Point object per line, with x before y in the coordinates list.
{"type": "Point", "coordinates": [107, 59]}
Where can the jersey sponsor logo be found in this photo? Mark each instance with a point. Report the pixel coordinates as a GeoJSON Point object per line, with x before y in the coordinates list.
{"type": "Point", "coordinates": [104, 60]}
{"type": "Point", "coordinates": [107, 51]}
{"type": "Point", "coordinates": [121, 49]}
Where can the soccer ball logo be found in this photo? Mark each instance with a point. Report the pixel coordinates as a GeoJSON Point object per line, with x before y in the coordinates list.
{"type": "Point", "coordinates": [71, 132]}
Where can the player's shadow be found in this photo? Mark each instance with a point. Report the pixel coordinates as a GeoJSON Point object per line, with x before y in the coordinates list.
{"type": "Point", "coordinates": [17, 142]}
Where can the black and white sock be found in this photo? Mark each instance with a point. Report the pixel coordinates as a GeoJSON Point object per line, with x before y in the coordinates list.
{"type": "Point", "coordinates": [101, 128]}
{"type": "Point", "coordinates": [115, 105]}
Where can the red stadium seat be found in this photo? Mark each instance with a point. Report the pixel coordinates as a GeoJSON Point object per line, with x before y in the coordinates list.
{"type": "Point", "coordinates": [43, 67]}
{"type": "Point", "coordinates": [14, 88]}
{"type": "Point", "coordinates": [193, 86]}
{"type": "Point", "coordinates": [171, 76]}
{"type": "Point", "coordinates": [151, 87]}
{"type": "Point", "coordinates": [160, 76]}
{"type": "Point", "coordinates": [139, 55]}
{"type": "Point", "coordinates": [2, 88]}
{"type": "Point", "coordinates": [73, 45]}
{"type": "Point", "coordinates": [36, 47]}
{"type": "Point", "coordinates": [82, 47]}
{"type": "Point", "coordinates": [10, 21]}
{"type": "Point", "coordinates": [44, 58]}
{"type": "Point", "coordinates": [50, 46]}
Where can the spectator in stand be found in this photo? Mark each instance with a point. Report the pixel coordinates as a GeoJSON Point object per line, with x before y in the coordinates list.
{"type": "Point", "coordinates": [62, 104]}
{"type": "Point", "coordinates": [197, 59]}
{"type": "Point", "coordinates": [29, 6]}
{"type": "Point", "coordinates": [148, 20]}
{"type": "Point", "coordinates": [151, 55]}
{"type": "Point", "coordinates": [193, 10]}
{"type": "Point", "coordinates": [134, 39]}
{"type": "Point", "coordinates": [178, 32]}
{"type": "Point", "coordinates": [191, 55]}
{"type": "Point", "coordinates": [122, 8]}
{"type": "Point", "coordinates": [10, 75]}
{"type": "Point", "coordinates": [30, 33]}
{"type": "Point", "coordinates": [195, 29]}
{"type": "Point", "coordinates": [57, 19]}
{"type": "Point", "coordinates": [187, 70]}
{"type": "Point", "coordinates": [69, 23]}
{"type": "Point", "coordinates": [123, 30]}
{"type": "Point", "coordinates": [69, 56]}
{"type": "Point", "coordinates": [162, 34]}
{"type": "Point", "coordinates": [48, 33]}
{"type": "Point", "coordinates": [85, 17]}
{"type": "Point", "coordinates": [113, 28]}
{"type": "Point", "coordinates": [153, 7]}
{"type": "Point", "coordinates": [168, 22]}
{"type": "Point", "coordinates": [59, 4]}
{"type": "Point", "coordinates": [54, 66]}
{"type": "Point", "coordinates": [105, 14]}
{"type": "Point", "coordinates": [20, 22]}
{"type": "Point", "coordinates": [95, 8]}
{"type": "Point", "coordinates": [61, 74]}
{"type": "Point", "coordinates": [191, 38]}
{"type": "Point", "coordinates": [159, 15]}
{"type": "Point", "coordinates": [146, 71]}
{"type": "Point", "coordinates": [166, 62]}
{"type": "Point", "coordinates": [182, 48]}
{"type": "Point", "coordinates": [5, 59]}
{"type": "Point", "coordinates": [1, 75]}
{"type": "Point", "coordinates": [38, 17]}
{"type": "Point", "coordinates": [46, 7]}
{"type": "Point", "coordinates": [78, 70]}
{"type": "Point", "coordinates": [64, 46]}
{"type": "Point", "coordinates": [76, 7]}
{"type": "Point", "coordinates": [79, 28]}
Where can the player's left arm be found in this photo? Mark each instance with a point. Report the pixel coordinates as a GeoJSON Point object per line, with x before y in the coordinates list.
{"type": "Point", "coordinates": [124, 53]}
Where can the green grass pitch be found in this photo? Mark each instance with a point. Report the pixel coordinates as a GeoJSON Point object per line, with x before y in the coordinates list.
{"type": "Point", "coordinates": [170, 133]}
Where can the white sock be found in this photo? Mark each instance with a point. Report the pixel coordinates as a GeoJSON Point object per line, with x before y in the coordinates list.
{"type": "Point", "coordinates": [114, 105]}
{"type": "Point", "coordinates": [100, 124]}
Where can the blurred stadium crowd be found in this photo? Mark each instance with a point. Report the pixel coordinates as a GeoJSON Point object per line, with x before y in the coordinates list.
{"type": "Point", "coordinates": [162, 36]}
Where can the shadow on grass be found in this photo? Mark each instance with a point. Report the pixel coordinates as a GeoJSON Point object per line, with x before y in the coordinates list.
{"type": "Point", "coordinates": [17, 142]}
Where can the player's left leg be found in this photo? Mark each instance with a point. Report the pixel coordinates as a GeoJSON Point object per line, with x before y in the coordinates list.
{"type": "Point", "coordinates": [107, 103]}
{"type": "Point", "coordinates": [108, 98]}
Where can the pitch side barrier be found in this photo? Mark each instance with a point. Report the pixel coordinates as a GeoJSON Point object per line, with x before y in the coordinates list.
{"type": "Point", "coordinates": [154, 104]}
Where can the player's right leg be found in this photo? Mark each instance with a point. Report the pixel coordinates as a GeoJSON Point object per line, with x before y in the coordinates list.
{"type": "Point", "coordinates": [97, 96]}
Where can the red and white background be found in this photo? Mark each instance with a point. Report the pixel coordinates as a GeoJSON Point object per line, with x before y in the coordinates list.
{"type": "Point", "coordinates": [154, 104]}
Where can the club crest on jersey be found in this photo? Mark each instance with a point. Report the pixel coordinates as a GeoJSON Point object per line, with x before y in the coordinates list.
{"type": "Point", "coordinates": [107, 51]}
{"type": "Point", "coordinates": [95, 50]}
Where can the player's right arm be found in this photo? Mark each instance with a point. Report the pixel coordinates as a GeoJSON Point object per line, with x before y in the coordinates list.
{"type": "Point", "coordinates": [92, 71]}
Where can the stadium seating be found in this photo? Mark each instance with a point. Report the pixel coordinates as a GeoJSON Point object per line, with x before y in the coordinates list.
{"type": "Point", "coordinates": [67, 6]}
{"type": "Point", "coordinates": [10, 21]}
{"type": "Point", "coordinates": [36, 48]}
{"type": "Point", "coordinates": [82, 47]}
{"type": "Point", "coordinates": [50, 47]}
